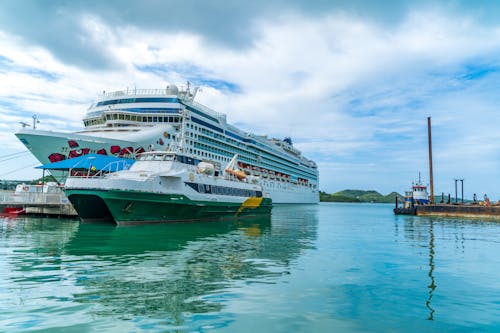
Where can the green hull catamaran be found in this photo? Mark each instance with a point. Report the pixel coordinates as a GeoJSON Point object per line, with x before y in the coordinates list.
{"type": "Point", "coordinates": [167, 187]}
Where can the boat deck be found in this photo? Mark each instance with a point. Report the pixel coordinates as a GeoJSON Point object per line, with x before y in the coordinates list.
{"type": "Point", "coordinates": [451, 210]}
{"type": "Point", "coordinates": [32, 203]}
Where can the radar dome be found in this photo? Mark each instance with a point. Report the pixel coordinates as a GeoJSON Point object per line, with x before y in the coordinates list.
{"type": "Point", "coordinates": [172, 89]}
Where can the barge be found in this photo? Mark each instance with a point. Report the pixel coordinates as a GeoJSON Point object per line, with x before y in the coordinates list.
{"type": "Point", "coordinates": [419, 202]}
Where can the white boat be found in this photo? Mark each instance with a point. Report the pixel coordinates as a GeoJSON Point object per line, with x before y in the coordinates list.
{"type": "Point", "coordinates": [44, 199]}
{"type": "Point", "coordinates": [418, 194]}
{"type": "Point", "coordinates": [167, 187]}
{"type": "Point", "coordinates": [126, 123]}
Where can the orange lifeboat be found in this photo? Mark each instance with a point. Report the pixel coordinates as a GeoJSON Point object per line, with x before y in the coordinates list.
{"type": "Point", "coordinates": [237, 173]}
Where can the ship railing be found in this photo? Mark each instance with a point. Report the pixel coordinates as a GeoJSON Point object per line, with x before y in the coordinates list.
{"type": "Point", "coordinates": [135, 92]}
{"type": "Point", "coordinates": [132, 92]}
{"type": "Point", "coordinates": [206, 109]}
{"type": "Point", "coordinates": [36, 198]}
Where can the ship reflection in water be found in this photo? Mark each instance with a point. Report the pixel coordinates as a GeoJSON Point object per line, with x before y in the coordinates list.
{"type": "Point", "coordinates": [168, 271]}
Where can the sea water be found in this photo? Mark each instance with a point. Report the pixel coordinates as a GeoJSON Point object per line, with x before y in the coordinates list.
{"type": "Point", "coordinates": [306, 268]}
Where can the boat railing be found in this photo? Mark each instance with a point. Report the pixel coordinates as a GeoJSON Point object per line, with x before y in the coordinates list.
{"type": "Point", "coordinates": [108, 168]}
{"type": "Point", "coordinates": [37, 198]}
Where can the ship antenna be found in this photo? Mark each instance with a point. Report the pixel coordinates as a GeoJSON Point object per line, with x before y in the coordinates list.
{"type": "Point", "coordinates": [35, 121]}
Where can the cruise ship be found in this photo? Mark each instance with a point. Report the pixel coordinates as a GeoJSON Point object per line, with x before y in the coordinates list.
{"type": "Point", "coordinates": [128, 122]}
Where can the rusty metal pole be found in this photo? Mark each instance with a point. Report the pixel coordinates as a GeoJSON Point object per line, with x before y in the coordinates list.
{"type": "Point", "coordinates": [462, 181]}
{"type": "Point", "coordinates": [431, 179]}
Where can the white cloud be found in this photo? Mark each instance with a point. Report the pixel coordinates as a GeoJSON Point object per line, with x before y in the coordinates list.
{"type": "Point", "coordinates": [345, 89]}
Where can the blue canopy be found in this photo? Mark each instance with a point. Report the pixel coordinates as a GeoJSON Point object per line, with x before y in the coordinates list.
{"type": "Point", "coordinates": [91, 161]}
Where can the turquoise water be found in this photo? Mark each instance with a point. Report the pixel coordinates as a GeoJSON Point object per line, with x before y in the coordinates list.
{"type": "Point", "coordinates": [318, 268]}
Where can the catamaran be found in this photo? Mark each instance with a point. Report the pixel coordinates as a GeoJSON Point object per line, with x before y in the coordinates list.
{"type": "Point", "coordinates": [166, 187]}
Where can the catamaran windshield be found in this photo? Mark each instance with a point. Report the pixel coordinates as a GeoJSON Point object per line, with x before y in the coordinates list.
{"type": "Point", "coordinates": [156, 157]}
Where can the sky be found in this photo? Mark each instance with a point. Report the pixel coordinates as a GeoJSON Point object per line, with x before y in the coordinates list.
{"type": "Point", "coordinates": [352, 83]}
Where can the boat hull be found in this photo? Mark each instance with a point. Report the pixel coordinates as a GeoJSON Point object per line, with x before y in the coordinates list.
{"type": "Point", "coordinates": [134, 207]}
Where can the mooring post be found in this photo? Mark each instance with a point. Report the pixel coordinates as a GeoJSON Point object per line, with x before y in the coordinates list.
{"type": "Point", "coordinates": [462, 181]}
{"type": "Point", "coordinates": [456, 195]}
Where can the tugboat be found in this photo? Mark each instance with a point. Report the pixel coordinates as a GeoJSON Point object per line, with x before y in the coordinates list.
{"type": "Point", "coordinates": [419, 192]}
{"type": "Point", "coordinates": [418, 195]}
{"type": "Point", "coordinates": [164, 186]}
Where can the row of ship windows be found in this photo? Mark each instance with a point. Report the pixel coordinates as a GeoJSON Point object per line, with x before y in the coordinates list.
{"type": "Point", "coordinates": [215, 157]}
{"type": "Point", "coordinates": [129, 117]}
{"type": "Point", "coordinates": [270, 157]}
{"type": "Point", "coordinates": [138, 100]}
{"type": "Point", "coordinates": [204, 151]}
{"type": "Point", "coordinates": [225, 140]}
{"type": "Point", "coordinates": [212, 145]}
{"type": "Point", "coordinates": [284, 185]}
{"type": "Point", "coordinates": [224, 190]}
{"type": "Point", "coordinates": [215, 135]}
{"type": "Point", "coordinates": [251, 158]}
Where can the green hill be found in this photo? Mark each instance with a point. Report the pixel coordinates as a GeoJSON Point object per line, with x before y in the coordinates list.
{"type": "Point", "coordinates": [359, 196]}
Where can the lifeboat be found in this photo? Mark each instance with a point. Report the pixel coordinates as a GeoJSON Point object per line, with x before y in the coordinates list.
{"type": "Point", "coordinates": [240, 175]}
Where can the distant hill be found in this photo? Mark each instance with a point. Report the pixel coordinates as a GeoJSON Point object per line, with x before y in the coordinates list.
{"type": "Point", "coordinates": [359, 196]}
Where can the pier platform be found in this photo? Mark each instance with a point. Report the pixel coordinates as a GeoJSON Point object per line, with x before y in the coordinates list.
{"type": "Point", "coordinates": [36, 203]}
{"type": "Point", "coordinates": [451, 210]}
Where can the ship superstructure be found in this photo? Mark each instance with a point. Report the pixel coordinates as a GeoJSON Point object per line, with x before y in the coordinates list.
{"type": "Point", "coordinates": [126, 123]}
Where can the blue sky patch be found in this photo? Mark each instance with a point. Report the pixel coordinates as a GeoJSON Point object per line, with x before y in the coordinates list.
{"type": "Point", "coordinates": [7, 65]}
{"type": "Point", "coordinates": [194, 74]}
{"type": "Point", "coordinates": [477, 71]}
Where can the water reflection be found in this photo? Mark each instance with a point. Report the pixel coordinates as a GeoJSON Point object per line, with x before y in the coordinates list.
{"type": "Point", "coordinates": [421, 232]}
{"type": "Point", "coordinates": [169, 271]}
{"type": "Point", "coordinates": [148, 270]}
{"type": "Point", "coordinates": [432, 285]}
